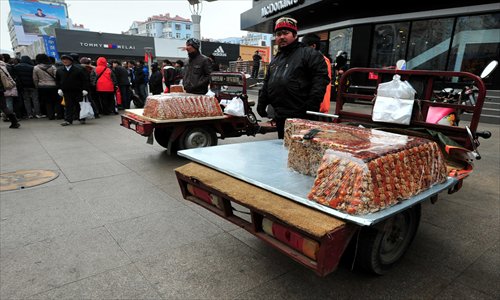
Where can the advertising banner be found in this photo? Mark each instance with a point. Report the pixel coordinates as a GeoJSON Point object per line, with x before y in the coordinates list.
{"type": "Point", "coordinates": [50, 46]}
{"type": "Point", "coordinates": [247, 52]}
{"type": "Point", "coordinates": [35, 18]}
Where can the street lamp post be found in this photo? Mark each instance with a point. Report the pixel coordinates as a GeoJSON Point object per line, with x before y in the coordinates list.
{"type": "Point", "coordinates": [196, 7]}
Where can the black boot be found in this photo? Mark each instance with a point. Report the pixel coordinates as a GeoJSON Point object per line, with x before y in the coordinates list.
{"type": "Point", "coordinates": [13, 121]}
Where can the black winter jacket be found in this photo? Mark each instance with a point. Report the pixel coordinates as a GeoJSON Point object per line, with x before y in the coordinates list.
{"type": "Point", "coordinates": [24, 73]}
{"type": "Point", "coordinates": [121, 75]}
{"type": "Point", "coordinates": [295, 82]}
{"type": "Point", "coordinates": [197, 75]}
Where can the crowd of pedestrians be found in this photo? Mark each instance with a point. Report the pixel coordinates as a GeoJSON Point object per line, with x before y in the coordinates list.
{"type": "Point", "coordinates": [44, 88]}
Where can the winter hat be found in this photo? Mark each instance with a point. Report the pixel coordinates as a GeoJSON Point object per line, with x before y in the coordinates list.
{"type": "Point", "coordinates": [193, 42]}
{"type": "Point", "coordinates": [67, 56]}
{"type": "Point", "coordinates": [286, 23]}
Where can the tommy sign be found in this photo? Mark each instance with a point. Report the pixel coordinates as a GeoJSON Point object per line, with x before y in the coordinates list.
{"type": "Point", "coordinates": [107, 46]}
{"type": "Point", "coordinates": [278, 6]}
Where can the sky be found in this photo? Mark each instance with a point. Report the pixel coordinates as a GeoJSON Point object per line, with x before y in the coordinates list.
{"type": "Point", "coordinates": [219, 19]}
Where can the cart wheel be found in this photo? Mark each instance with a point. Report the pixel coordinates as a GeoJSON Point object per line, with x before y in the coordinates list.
{"type": "Point", "coordinates": [381, 247]}
{"type": "Point", "coordinates": [162, 136]}
{"type": "Point", "coordinates": [252, 118]}
{"type": "Point", "coordinates": [198, 137]}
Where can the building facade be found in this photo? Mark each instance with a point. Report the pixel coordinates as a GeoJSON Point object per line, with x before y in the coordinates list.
{"type": "Point", "coordinates": [439, 35]}
{"type": "Point", "coordinates": [163, 26]}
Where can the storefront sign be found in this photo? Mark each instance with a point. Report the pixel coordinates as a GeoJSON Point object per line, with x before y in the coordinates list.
{"type": "Point", "coordinates": [223, 52]}
{"type": "Point", "coordinates": [278, 6]}
{"type": "Point", "coordinates": [105, 44]}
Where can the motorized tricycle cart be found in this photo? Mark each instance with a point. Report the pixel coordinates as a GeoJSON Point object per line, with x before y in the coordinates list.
{"type": "Point", "coordinates": [178, 134]}
{"type": "Point", "coordinates": [250, 184]}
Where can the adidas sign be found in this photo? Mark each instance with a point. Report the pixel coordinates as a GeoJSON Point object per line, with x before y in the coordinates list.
{"type": "Point", "coordinates": [219, 52]}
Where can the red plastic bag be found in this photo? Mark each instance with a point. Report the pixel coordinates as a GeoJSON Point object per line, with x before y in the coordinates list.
{"type": "Point", "coordinates": [166, 90]}
{"type": "Point", "coordinates": [118, 96]}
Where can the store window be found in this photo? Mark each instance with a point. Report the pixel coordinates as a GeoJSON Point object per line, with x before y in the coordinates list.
{"type": "Point", "coordinates": [390, 42]}
{"type": "Point", "coordinates": [476, 41]}
{"type": "Point", "coordinates": [429, 44]}
{"type": "Point", "coordinates": [340, 40]}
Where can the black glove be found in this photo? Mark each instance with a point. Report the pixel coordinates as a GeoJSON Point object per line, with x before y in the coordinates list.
{"type": "Point", "coordinates": [261, 109]}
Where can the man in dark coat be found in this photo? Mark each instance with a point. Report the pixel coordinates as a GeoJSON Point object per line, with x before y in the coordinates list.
{"type": "Point", "coordinates": [198, 69]}
{"type": "Point", "coordinates": [72, 84]}
{"type": "Point", "coordinates": [123, 83]}
{"type": "Point", "coordinates": [297, 78]}
{"type": "Point", "coordinates": [156, 80]}
{"type": "Point", "coordinates": [25, 85]}
{"type": "Point", "coordinates": [141, 79]}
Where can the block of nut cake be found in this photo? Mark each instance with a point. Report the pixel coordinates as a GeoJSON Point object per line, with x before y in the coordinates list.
{"type": "Point", "coordinates": [181, 106]}
{"type": "Point", "coordinates": [362, 170]}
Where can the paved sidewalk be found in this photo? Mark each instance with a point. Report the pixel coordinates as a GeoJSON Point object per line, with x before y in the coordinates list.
{"type": "Point", "coordinates": [114, 225]}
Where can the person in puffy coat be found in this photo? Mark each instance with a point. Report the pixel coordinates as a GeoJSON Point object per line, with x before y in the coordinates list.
{"type": "Point", "coordinates": [5, 77]}
{"type": "Point", "coordinates": [296, 80]}
{"type": "Point", "coordinates": [104, 80]}
{"type": "Point", "coordinates": [24, 73]}
{"type": "Point", "coordinates": [44, 78]}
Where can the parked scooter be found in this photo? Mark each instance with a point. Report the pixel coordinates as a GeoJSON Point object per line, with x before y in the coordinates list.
{"type": "Point", "coordinates": [464, 96]}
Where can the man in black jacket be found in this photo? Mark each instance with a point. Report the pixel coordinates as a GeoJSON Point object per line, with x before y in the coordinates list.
{"type": "Point", "coordinates": [296, 80]}
{"type": "Point", "coordinates": [197, 71]}
{"type": "Point", "coordinates": [123, 83]}
{"type": "Point", "coordinates": [72, 84]}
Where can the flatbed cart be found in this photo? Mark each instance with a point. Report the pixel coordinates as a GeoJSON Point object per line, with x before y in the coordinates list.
{"type": "Point", "coordinates": [229, 179]}
{"type": "Point", "coordinates": [178, 134]}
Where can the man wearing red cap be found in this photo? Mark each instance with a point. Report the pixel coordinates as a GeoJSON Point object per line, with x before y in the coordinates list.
{"type": "Point", "coordinates": [296, 79]}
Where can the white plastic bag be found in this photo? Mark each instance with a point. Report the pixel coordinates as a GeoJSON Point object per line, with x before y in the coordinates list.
{"type": "Point", "coordinates": [86, 111]}
{"type": "Point", "coordinates": [235, 107]}
{"type": "Point", "coordinates": [394, 102]}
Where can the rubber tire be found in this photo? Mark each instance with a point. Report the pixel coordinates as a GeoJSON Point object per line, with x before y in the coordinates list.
{"type": "Point", "coordinates": [252, 118]}
{"type": "Point", "coordinates": [379, 250]}
{"type": "Point", "coordinates": [162, 136]}
{"type": "Point", "coordinates": [198, 137]}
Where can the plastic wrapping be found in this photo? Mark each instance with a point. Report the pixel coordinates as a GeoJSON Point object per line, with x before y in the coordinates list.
{"type": "Point", "coordinates": [362, 170]}
{"type": "Point", "coordinates": [394, 102]}
{"type": "Point", "coordinates": [181, 106]}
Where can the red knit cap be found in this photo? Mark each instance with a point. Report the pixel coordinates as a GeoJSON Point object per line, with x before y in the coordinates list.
{"type": "Point", "coordinates": [286, 23]}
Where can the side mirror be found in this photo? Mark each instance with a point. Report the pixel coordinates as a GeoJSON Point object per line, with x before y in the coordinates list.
{"type": "Point", "coordinates": [401, 64]}
{"type": "Point", "coordinates": [489, 69]}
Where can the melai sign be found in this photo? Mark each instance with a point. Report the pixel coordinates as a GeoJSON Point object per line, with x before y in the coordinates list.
{"type": "Point", "coordinates": [278, 6]}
